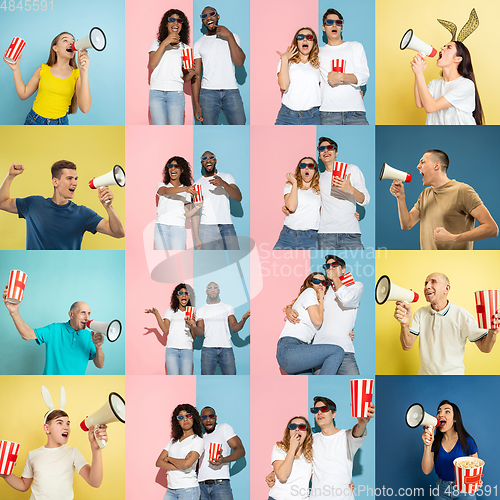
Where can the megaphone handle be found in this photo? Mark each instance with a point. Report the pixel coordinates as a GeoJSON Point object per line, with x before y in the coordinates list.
{"type": "Point", "coordinates": [426, 427]}
{"type": "Point", "coordinates": [100, 442]}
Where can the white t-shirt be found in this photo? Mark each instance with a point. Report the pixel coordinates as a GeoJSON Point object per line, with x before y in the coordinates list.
{"type": "Point", "coordinates": [218, 67]}
{"type": "Point", "coordinates": [341, 309]}
{"type": "Point", "coordinates": [303, 93]}
{"type": "Point", "coordinates": [52, 470]}
{"type": "Point", "coordinates": [168, 74]}
{"type": "Point", "coordinates": [338, 208]}
{"type": "Point", "coordinates": [461, 94]}
{"type": "Point", "coordinates": [215, 317]}
{"type": "Point", "coordinates": [344, 97]}
{"type": "Point", "coordinates": [306, 215]}
{"type": "Point", "coordinates": [297, 484]}
{"type": "Point", "coordinates": [184, 478]}
{"type": "Point", "coordinates": [221, 435]}
{"type": "Point", "coordinates": [332, 464]}
{"type": "Point", "coordinates": [305, 330]}
{"type": "Point", "coordinates": [170, 210]}
{"type": "Point", "coordinates": [216, 206]}
{"type": "Point", "coordinates": [443, 336]}
{"type": "Point", "coordinates": [179, 335]}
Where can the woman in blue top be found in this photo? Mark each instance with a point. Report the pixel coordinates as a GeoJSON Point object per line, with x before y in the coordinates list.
{"type": "Point", "coordinates": [450, 442]}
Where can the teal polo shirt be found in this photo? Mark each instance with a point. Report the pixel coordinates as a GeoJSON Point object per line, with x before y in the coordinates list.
{"type": "Point", "coordinates": [68, 351]}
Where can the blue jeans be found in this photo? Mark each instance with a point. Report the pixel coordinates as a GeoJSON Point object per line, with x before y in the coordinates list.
{"type": "Point", "coordinates": [291, 239]}
{"type": "Point", "coordinates": [448, 490]}
{"type": "Point", "coordinates": [212, 102]}
{"type": "Point", "coordinates": [340, 241]}
{"type": "Point", "coordinates": [179, 359]}
{"type": "Point", "coordinates": [223, 356]}
{"type": "Point", "coordinates": [170, 237]}
{"type": "Point", "coordinates": [35, 119]}
{"type": "Point", "coordinates": [213, 235]}
{"type": "Point", "coordinates": [343, 118]}
{"type": "Point", "coordinates": [347, 367]}
{"type": "Point", "coordinates": [165, 105]}
{"type": "Point", "coordinates": [287, 116]}
{"type": "Point", "coordinates": [296, 357]}
{"type": "Point", "coordinates": [182, 494]}
{"type": "Point", "coordinates": [218, 491]}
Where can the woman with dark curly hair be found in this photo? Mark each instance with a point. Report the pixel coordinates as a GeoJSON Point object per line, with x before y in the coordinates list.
{"type": "Point", "coordinates": [180, 329]}
{"type": "Point", "coordinates": [181, 454]}
{"type": "Point", "coordinates": [174, 205]}
{"type": "Point", "coordinates": [299, 79]}
{"type": "Point", "coordinates": [166, 94]}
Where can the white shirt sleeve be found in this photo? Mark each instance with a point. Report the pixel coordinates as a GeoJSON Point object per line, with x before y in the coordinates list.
{"type": "Point", "coordinates": [460, 93]}
{"type": "Point", "coordinates": [350, 296]}
{"type": "Point", "coordinates": [28, 468]}
{"type": "Point", "coordinates": [277, 454]}
{"type": "Point", "coordinates": [358, 182]}
{"type": "Point", "coordinates": [309, 298]}
{"type": "Point", "coordinates": [354, 443]}
{"type": "Point", "coordinates": [361, 71]}
{"type": "Point", "coordinates": [78, 460]}
{"type": "Point", "coordinates": [415, 323]}
{"type": "Point", "coordinates": [470, 329]}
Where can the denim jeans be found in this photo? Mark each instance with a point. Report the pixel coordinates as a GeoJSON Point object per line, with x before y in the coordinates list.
{"type": "Point", "coordinates": [343, 118]}
{"type": "Point", "coordinates": [340, 241]}
{"type": "Point", "coordinates": [179, 359]}
{"type": "Point", "coordinates": [296, 357]}
{"type": "Point", "coordinates": [212, 102]}
{"type": "Point", "coordinates": [347, 367]}
{"type": "Point", "coordinates": [218, 491]}
{"type": "Point", "coordinates": [165, 105]}
{"type": "Point", "coordinates": [223, 356]}
{"type": "Point", "coordinates": [448, 490]}
{"type": "Point", "coordinates": [182, 494]}
{"type": "Point", "coordinates": [213, 235]}
{"type": "Point", "coordinates": [35, 119]}
{"type": "Point", "coordinates": [291, 239]}
{"type": "Point", "coordinates": [287, 116]}
{"type": "Point", "coordinates": [169, 237]}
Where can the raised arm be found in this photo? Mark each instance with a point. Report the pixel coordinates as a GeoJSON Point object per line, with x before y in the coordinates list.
{"type": "Point", "coordinates": [237, 453]}
{"type": "Point", "coordinates": [428, 456]}
{"type": "Point", "coordinates": [24, 330]}
{"type": "Point", "coordinates": [6, 202]}
{"type": "Point", "coordinates": [93, 473]}
{"type": "Point", "coordinates": [284, 74]}
{"type": "Point", "coordinates": [98, 340]}
{"type": "Point", "coordinates": [113, 225]}
{"type": "Point", "coordinates": [316, 312]}
{"type": "Point", "coordinates": [292, 198]}
{"type": "Point", "coordinates": [403, 314]}
{"type": "Point", "coordinates": [486, 343]}
{"type": "Point", "coordinates": [237, 54]}
{"type": "Point", "coordinates": [235, 325]}
{"type": "Point", "coordinates": [406, 219]}
{"type": "Point", "coordinates": [164, 323]}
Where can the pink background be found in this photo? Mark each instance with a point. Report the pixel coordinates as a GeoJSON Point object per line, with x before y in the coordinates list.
{"type": "Point", "coordinates": [150, 403]}
{"type": "Point", "coordinates": [272, 28]}
{"type": "Point", "coordinates": [273, 402]}
{"type": "Point", "coordinates": [141, 26]}
{"type": "Point", "coordinates": [146, 154]}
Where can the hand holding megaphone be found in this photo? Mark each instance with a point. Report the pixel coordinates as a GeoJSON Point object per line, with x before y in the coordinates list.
{"type": "Point", "coordinates": [115, 177]}
{"type": "Point", "coordinates": [403, 312]}
{"type": "Point", "coordinates": [415, 416]}
{"type": "Point", "coordinates": [98, 435]}
{"type": "Point", "coordinates": [428, 435]}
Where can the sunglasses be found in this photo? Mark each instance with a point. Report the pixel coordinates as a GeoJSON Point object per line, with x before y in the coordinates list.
{"type": "Point", "coordinates": [180, 292]}
{"type": "Point", "coordinates": [211, 416]}
{"type": "Point", "coordinates": [175, 20]}
{"type": "Point", "coordinates": [316, 281]}
{"type": "Point", "coordinates": [173, 165]}
{"type": "Point", "coordinates": [329, 147]}
{"type": "Point", "coordinates": [311, 166]}
{"type": "Point", "coordinates": [302, 427]}
{"type": "Point", "coordinates": [212, 287]}
{"type": "Point", "coordinates": [322, 409]}
{"type": "Point", "coordinates": [205, 158]}
{"type": "Point", "coordinates": [209, 14]}
{"type": "Point", "coordinates": [187, 415]}
{"type": "Point", "coordinates": [333, 264]}
{"type": "Point", "coordinates": [331, 22]}
{"type": "Point", "coordinates": [307, 37]}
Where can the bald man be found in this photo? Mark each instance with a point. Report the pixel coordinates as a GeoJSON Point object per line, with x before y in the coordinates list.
{"type": "Point", "coordinates": [69, 346]}
{"type": "Point", "coordinates": [443, 329]}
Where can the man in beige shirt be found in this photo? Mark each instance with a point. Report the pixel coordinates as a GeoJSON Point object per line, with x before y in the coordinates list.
{"type": "Point", "coordinates": [447, 209]}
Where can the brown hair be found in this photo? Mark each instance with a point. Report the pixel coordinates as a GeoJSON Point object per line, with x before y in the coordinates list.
{"type": "Point", "coordinates": [308, 284]}
{"type": "Point", "coordinates": [307, 449]}
{"type": "Point", "coordinates": [55, 414]}
{"type": "Point", "coordinates": [315, 179]}
{"type": "Point", "coordinates": [313, 56]}
{"type": "Point", "coordinates": [58, 166]}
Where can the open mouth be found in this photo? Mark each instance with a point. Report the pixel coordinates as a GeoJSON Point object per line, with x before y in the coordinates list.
{"type": "Point", "coordinates": [442, 423]}
{"type": "Point", "coordinates": [72, 190]}
{"type": "Point", "coordinates": [65, 434]}
{"type": "Point", "coordinates": [210, 24]}
{"type": "Point", "coordinates": [440, 55]}
{"type": "Point", "coordinates": [69, 50]}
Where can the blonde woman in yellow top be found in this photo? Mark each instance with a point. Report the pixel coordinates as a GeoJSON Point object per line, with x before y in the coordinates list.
{"type": "Point", "coordinates": [62, 87]}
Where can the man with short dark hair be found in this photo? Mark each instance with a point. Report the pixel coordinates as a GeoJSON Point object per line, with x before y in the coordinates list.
{"type": "Point", "coordinates": [447, 209]}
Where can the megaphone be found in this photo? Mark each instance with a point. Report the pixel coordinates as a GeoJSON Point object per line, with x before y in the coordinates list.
{"type": "Point", "coordinates": [115, 177]}
{"type": "Point", "coordinates": [388, 172]}
{"type": "Point", "coordinates": [96, 40]}
{"type": "Point", "coordinates": [415, 416]}
{"type": "Point", "coordinates": [112, 411]}
{"type": "Point", "coordinates": [385, 290]}
{"type": "Point", "coordinates": [112, 330]}
{"type": "Point", "coordinates": [411, 41]}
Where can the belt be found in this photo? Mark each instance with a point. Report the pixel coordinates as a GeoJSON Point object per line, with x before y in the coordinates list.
{"type": "Point", "coordinates": [213, 481]}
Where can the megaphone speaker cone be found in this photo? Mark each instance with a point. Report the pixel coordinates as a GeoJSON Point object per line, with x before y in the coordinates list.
{"type": "Point", "coordinates": [414, 415]}
{"type": "Point", "coordinates": [97, 39]}
{"type": "Point", "coordinates": [382, 289]}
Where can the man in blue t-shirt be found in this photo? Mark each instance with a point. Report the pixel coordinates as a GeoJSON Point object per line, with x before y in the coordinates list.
{"type": "Point", "coordinates": [69, 346]}
{"type": "Point", "coordinates": [57, 223]}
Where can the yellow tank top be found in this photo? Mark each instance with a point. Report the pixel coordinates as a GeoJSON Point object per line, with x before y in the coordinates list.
{"type": "Point", "coordinates": [54, 94]}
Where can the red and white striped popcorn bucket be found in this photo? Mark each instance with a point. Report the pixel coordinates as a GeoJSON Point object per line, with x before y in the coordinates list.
{"type": "Point", "coordinates": [347, 279]}
{"type": "Point", "coordinates": [361, 397]}
{"type": "Point", "coordinates": [187, 58]}
{"type": "Point", "coordinates": [338, 65]}
{"type": "Point", "coordinates": [8, 456]}
{"type": "Point", "coordinates": [214, 451]}
{"type": "Point", "coordinates": [189, 312]}
{"type": "Point", "coordinates": [15, 289]}
{"type": "Point", "coordinates": [486, 307]}
{"type": "Point", "coordinates": [339, 170]}
{"type": "Point", "coordinates": [15, 50]}
{"type": "Point", "coordinates": [198, 197]}
{"type": "Point", "coordinates": [468, 472]}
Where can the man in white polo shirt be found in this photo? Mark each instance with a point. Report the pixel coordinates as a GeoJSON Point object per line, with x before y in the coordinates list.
{"type": "Point", "coordinates": [443, 329]}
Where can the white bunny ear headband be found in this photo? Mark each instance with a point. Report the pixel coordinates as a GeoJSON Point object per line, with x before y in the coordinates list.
{"type": "Point", "coordinates": [48, 401]}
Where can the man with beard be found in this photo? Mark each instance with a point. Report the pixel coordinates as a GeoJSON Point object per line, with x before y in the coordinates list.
{"type": "Point", "coordinates": [215, 226]}
{"type": "Point", "coordinates": [213, 473]}
{"type": "Point", "coordinates": [217, 52]}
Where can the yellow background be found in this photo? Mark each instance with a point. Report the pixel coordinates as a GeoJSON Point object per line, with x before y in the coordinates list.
{"type": "Point", "coordinates": [94, 150]}
{"type": "Point", "coordinates": [395, 103]}
{"type": "Point", "coordinates": [468, 272]}
{"type": "Point", "coordinates": [23, 409]}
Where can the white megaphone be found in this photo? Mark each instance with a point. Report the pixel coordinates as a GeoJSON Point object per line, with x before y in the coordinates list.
{"type": "Point", "coordinates": [385, 290]}
{"type": "Point", "coordinates": [388, 172]}
{"type": "Point", "coordinates": [112, 330]}
{"type": "Point", "coordinates": [415, 416]}
{"type": "Point", "coordinates": [411, 41]}
{"type": "Point", "coordinates": [112, 411]}
{"type": "Point", "coordinates": [115, 177]}
{"type": "Point", "coordinates": [96, 40]}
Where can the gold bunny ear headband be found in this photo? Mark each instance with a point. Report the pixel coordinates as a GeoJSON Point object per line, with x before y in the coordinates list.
{"type": "Point", "coordinates": [469, 27]}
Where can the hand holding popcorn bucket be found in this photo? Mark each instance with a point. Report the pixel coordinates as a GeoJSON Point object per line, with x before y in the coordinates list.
{"type": "Point", "coordinates": [486, 308]}
{"type": "Point", "coordinates": [9, 452]}
{"type": "Point", "coordinates": [189, 314]}
{"type": "Point", "coordinates": [187, 58]}
{"type": "Point", "coordinates": [339, 170]}
{"type": "Point", "coordinates": [468, 472]}
{"type": "Point", "coordinates": [214, 451]}
{"type": "Point", "coordinates": [361, 397]}
{"type": "Point", "coordinates": [13, 53]}
{"type": "Point", "coordinates": [15, 289]}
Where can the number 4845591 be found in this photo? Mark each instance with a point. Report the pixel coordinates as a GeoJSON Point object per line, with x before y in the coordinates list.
{"type": "Point", "coordinates": [27, 5]}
